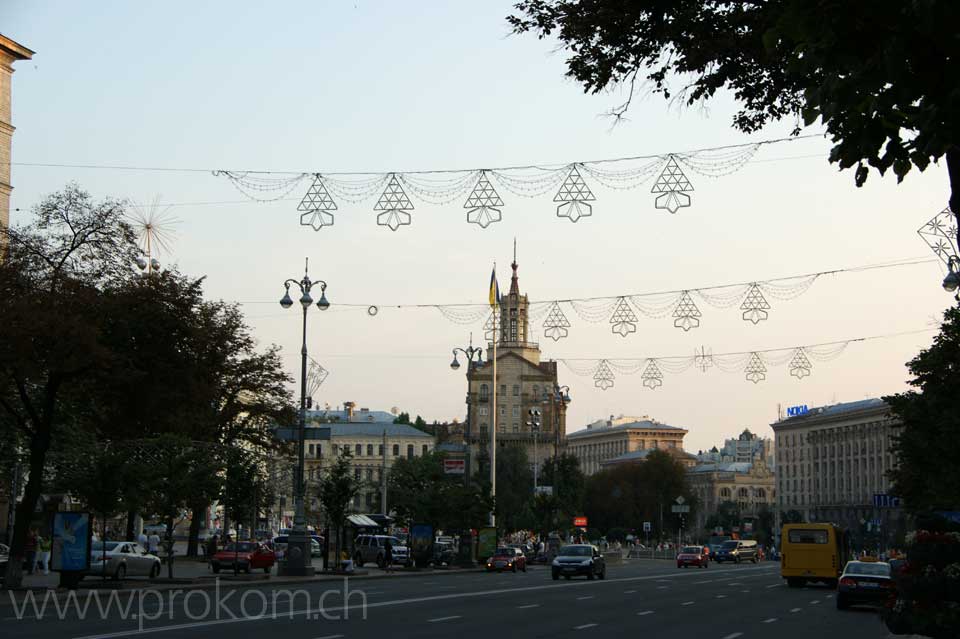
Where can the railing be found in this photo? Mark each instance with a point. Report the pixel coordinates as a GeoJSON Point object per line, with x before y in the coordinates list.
{"type": "Point", "coordinates": [651, 553]}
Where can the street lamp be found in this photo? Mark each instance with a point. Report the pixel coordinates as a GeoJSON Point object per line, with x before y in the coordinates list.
{"type": "Point", "coordinates": [952, 281]}
{"type": "Point", "coordinates": [298, 562]}
{"type": "Point", "coordinates": [469, 352]}
{"type": "Point", "coordinates": [534, 424]}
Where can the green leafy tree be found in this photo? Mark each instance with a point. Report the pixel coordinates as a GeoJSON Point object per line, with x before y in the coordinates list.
{"type": "Point", "coordinates": [727, 516]}
{"type": "Point", "coordinates": [514, 498]}
{"type": "Point", "coordinates": [930, 424]}
{"type": "Point", "coordinates": [569, 483]}
{"type": "Point", "coordinates": [880, 78]}
{"type": "Point", "coordinates": [417, 487]}
{"type": "Point", "coordinates": [336, 490]}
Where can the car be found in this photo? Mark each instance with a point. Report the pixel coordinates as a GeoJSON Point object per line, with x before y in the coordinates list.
{"type": "Point", "coordinates": [121, 559]}
{"type": "Point", "coordinates": [372, 548]}
{"type": "Point", "coordinates": [579, 559]}
{"type": "Point", "coordinates": [443, 554]}
{"type": "Point", "coordinates": [698, 556]}
{"type": "Point", "coordinates": [864, 582]}
{"type": "Point", "coordinates": [507, 558]}
{"type": "Point", "coordinates": [737, 550]}
{"type": "Point", "coordinates": [247, 555]}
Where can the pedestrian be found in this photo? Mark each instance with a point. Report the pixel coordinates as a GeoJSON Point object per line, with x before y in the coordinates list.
{"type": "Point", "coordinates": [142, 540]}
{"type": "Point", "coordinates": [44, 545]}
{"type": "Point", "coordinates": [30, 550]}
{"type": "Point", "coordinates": [153, 542]}
{"type": "Point", "coordinates": [388, 556]}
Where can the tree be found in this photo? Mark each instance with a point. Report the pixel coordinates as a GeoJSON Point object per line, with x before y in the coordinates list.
{"type": "Point", "coordinates": [402, 418]}
{"type": "Point", "coordinates": [55, 268]}
{"type": "Point", "coordinates": [564, 474]}
{"type": "Point", "coordinates": [727, 516]}
{"type": "Point", "coordinates": [514, 498]}
{"type": "Point", "coordinates": [930, 424]}
{"type": "Point", "coordinates": [879, 79]}
{"type": "Point", "coordinates": [336, 489]}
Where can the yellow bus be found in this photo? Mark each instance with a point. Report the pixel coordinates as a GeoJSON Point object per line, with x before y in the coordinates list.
{"type": "Point", "coordinates": [812, 552]}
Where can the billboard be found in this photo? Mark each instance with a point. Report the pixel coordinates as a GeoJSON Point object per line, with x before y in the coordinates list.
{"type": "Point", "coordinates": [486, 542]}
{"type": "Point", "coordinates": [579, 522]}
{"type": "Point", "coordinates": [454, 466]}
{"type": "Point", "coordinates": [71, 542]}
{"type": "Point", "coordinates": [421, 542]}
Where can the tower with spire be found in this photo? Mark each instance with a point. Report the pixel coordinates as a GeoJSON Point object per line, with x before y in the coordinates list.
{"type": "Point", "coordinates": [524, 383]}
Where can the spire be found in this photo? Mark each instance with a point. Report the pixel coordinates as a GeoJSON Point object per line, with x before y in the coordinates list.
{"type": "Point", "coordinates": [514, 285]}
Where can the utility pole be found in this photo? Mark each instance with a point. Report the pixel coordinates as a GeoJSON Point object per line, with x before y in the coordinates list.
{"type": "Point", "coordinates": [383, 474]}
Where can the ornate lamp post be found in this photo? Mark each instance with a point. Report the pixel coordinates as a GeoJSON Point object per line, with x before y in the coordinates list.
{"type": "Point", "coordinates": [298, 561]}
{"type": "Point", "coordinates": [534, 424]}
{"type": "Point", "coordinates": [474, 357]}
{"type": "Point", "coordinates": [952, 281]}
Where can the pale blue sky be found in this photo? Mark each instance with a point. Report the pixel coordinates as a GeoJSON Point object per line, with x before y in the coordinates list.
{"type": "Point", "coordinates": [401, 85]}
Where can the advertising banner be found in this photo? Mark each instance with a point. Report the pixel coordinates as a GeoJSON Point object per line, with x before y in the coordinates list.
{"type": "Point", "coordinates": [421, 542]}
{"type": "Point", "coordinates": [71, 542]}
{"type": "Point", "coordinates": [454, 466]}
{"type": "Point", "coordinates": [579, 522]}
{"type": "Point", "coordinates": [486, 542]}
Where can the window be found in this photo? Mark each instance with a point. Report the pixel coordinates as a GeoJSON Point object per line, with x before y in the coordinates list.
{"type": "Point", "coordinates": [516, 427]}
{"type": "Point", "coordinates": [484, 411]}
{"type": "Point", "coordinates": [319, 450]}
{"type": "Point", "coordinates": [381, 450]}
{"type": "Point", "coordinates": [369, 450]}
{"type": "Point", "coordinates": [800, 536]}
{"type": "Point", "coordinates": [725, 493]}
{"type": "Point", "coordinates": [311, 450]}
{"type": "Point", "coordinates": [358, 450]}
{"type": "Point", "coordinates": [503, 411]}
{"type": "Point", "coordinates": [536, 392]}
{"type": "Point", "coordinates": [356, 474]}
{"type": "Point", "coordinates": [484, 392]}
{"type": "Point", "coordinates": [516, 411]}
{"type": "Point", "coordinates": [396, 450]}
{"type": "Point", "coordinates": [409, 451]}
{"type": "Point", "coordinates": [516, 390]}
{"type": "Point", "coordinates": [425, 449]}
{"type": "Point", "coordinates": [369, 474]}
{"type": "Point", "coordinates": [744, 493]}
{"type": "Point", "coordinates": [483, 427]}
{"type": "Point", "coordinates": [336, 449]}
{"type": "Point", "coordinates": [356, 502]}
{"type": "Point", "coordinates": [503, 390]}
{"type": "Point", "coordinates": [513, 330]}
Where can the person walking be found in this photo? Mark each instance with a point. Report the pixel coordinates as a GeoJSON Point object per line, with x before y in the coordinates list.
{"type": "Point", "coordinates": [388, 556]}
{"type": "Point", "coordinates": [44, 545]}
{"type": "Point", "coordinates": [153, 544]}
{"type": "Point", "coordinates": [142, 540]}
{"type": "Point", "coordinates": [30, 550]}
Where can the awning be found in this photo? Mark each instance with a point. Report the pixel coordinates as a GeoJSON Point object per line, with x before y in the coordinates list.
{"type": "Point", "coordinates": [362, 521]}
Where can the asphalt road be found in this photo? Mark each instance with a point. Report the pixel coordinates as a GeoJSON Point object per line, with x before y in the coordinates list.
{"type": "Point", "coordinates": [645, 598]}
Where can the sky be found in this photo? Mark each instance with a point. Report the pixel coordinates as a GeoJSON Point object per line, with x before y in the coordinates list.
{"type": "Point", "coordinates": [399, 86]}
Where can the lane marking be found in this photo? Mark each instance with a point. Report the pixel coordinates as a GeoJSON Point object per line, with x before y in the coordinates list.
{"type": "Point", "coordinates": [770, 620]}
{"type": "Point", "coordinates": [796, 609]}
{"type": "Point", "coordinates": [814, 602]}
{"type": "Point", "coordinates": [444, 618]}
{"type": "Point", "coordinates": [629, 592]}
{"type": "Point", "coordinates": [688, 603]}
{"type": "Point", "coordinates": [733, 635]}
{"type": "Point", "coordinates": [662, 587]}
{"type": "Point", "coordinates": [707, 581]}
{"type": "Point", "coordinates": [721, 596]}
{"type": "Point", "coordinates": [744, 591]}
{"type": "Point", "coordinates": [395, 602]}
{"type": "Point", "coordinates": [330, 637]}
{"type": "Point", "coordinates": [584, 626]}
{"type": "Point", "coordinates": [774, 586]}
{"type": "Point", "coordinates": [737, 583]}
{"type": "Point", "coordinates": [528, 606]}
{"type": "Point", "coordinates": [585, 597]}
{"type": "Point", "coordinates": [644, 613]}
{"type": "Point", "coordinates": [829, 596]}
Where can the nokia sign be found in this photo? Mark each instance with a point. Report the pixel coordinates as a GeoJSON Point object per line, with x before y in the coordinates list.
{"type": "Point", "coordinates": [794, 411]}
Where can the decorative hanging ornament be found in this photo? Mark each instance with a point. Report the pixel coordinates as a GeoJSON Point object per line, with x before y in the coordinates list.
{"type": "Point", "coordinates": [574, 193]}
{"type": "Point", "coordinates": [603, 376]}
{"type": "Point", "coordinates": [703, 358]}
{"type": "Point", "coordinates": [482, 202]}
{"type": "Point", "coordinates": [491, 326]}
{"type": "Point", "coordinates": [755, 370]}
{"type": "Point", "coordinates": [316, 205]}
{"type": "Point", "coordinates": [394, 203]}
{"type": "Point", "coordinates": [800, 365]}
{"type": "Point", "coordinates": [556, 325]}
{"type": "Point", "coordinates": [686, 313]}
{"type": "Point", "coordinates": [940, 234]}
{"type": "Point", "coordinates": [623, 320]}
{"type": "Point", "coordinates": [652, 377]}
{"type": "Point", "coordinates": [755, 305]}
{"type": "Point", "coordinates": [672, 186]}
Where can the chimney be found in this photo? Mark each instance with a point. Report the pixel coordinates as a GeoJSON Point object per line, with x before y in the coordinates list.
{"type": "Point", "coordinates": [348, 409]}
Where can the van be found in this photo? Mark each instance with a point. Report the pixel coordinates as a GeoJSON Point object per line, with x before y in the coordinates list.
{"type": "Point", "coordinates": [737, 550]}
{"type": "Point", "coordinates": [812, 552]}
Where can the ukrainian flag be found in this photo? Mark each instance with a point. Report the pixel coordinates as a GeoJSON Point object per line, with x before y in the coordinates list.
{"type": "Point", "coordinates": [494, 288]}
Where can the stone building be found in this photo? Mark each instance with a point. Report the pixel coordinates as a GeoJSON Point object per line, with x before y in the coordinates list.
{"type": "Point", "coordinates": [832, 461]}
{"type": "Point", "coordinates": [622, 440]}
{"type": "Point", "coordinates": [10, 52]}
{"type": "Point", "coordinates": [523, 383]}
{"type": "Point", "coordinates": [750, 485]}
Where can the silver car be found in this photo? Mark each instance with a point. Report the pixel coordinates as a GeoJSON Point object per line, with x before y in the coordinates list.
{"type": "Point", "coordinates": [119, 559]}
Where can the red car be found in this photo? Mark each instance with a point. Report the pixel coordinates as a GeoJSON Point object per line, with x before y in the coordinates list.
{"type": "Point", "coordinates": [693, 556]}
{"type": "Point", "coordinates": [507, 559]}
{"type": "Point", "coordinates": [248, 555]}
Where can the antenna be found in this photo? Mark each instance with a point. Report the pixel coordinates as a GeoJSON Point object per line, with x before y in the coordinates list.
{"type": "Point", "coordinates": [514, 250]}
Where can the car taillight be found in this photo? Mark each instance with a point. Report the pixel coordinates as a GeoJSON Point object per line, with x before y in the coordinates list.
{"type": "Point", "coordinates": [847, 581]}
{"type": "Point", "coordinates": [891, 584]}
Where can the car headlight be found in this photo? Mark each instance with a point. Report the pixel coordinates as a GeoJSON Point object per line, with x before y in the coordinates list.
{"type": "Point", "coordinates": [556, 562]}
{"type": "Point", "coordinates": [585, 562]}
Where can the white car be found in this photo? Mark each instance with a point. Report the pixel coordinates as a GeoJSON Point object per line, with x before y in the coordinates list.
{"type": "Point", "coordinates": [119, 559]}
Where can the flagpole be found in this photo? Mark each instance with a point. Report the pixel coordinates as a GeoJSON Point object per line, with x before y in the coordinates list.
{"type": "Point", "coordinates": [496, 412]}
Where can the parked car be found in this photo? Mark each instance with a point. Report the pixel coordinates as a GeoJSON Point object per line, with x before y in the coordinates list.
{"type": "Point", "coordinates": [698, 556]}
{"type": "Point", "coordinates": [737, 550]}
{"type": "Point", "coordinates": [372, 548]}
{"type": "Point", "coordinates": [443, 554]}
{"type": "Point", "coordinates": [4, 559]}
{"type": "Point", "coordinates": [866, 582]}
{"type": "Point", "coordinates": [509, 558]}
{"type": "Point", "coordinates": [120, 559]}
{"type": "Point", "coordinates": [579, 559]}
{"type": "Point", "coordinates": [248, 555]}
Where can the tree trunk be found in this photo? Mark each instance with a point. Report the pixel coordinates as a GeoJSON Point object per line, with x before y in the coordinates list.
{"type": "Point", "coordinates": [198, 516]}
{"type": "Point", "coordinates": [953, 170]}
{"type": "Point", "coordinates": [39, 444]}
{"type": "Point", "coordinates": [131, 519]}
{"type": "Point", "coordinates": [169, 543]}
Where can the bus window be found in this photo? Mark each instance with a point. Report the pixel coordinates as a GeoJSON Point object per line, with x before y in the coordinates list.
{"type": "Point", "coordinates": [804, 536]}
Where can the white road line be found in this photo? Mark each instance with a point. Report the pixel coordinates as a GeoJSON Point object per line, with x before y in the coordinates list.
{"type": "Point", "coordinates": [629, 592]}
{"type": "Point", "coordinates": [733, 635]}
{"type": "Point", "coordinates": [770, 620]}
{"type": "Point", "coordinates": [584, 626]}
{"type": "Point", "coordinates": [528, 606]}
{"type": "Point", "coordinates": [737, 583]}
{"type": "Point", "coordinates": [444, 618]}
{"type": "Point", "coordinates": [829, 596]}
{"type": "Point", "coordinates": [644, 613]}
{"type": "Point", "coordinates": [814, 602]}
{"type": "Point", "coordinates": [662, 587]}
{"type": "Point", "coordinates": [688, 603]}
{"type": "Point", "coordinates": [330, 637]}
{"type": "Point", "coordinates": [796, 609]}
{"type": "Point", "coordinates": [721, 596]}
{"type": "Point", "coordinates": [707, 581]}
{"type": "Point", "coordinates": [774, 586]}
{"type": "Point", "coordinates": [744, 591]}
{"type": "Point", "coordinates": [584, 597]}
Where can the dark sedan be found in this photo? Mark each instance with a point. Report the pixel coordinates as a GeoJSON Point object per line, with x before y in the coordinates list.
{"type": "Point", "coordinates": [864, 582]}
{"type": "Point", "coordinates": [579, 559]}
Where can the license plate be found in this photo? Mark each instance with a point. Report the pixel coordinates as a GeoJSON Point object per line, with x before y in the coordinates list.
{"type": "Point", "coordinates": [500, 564]}
{"type": "Point", "coordinates": [569, 569]}
{"type": "Point", "coordinates": [868, 584]}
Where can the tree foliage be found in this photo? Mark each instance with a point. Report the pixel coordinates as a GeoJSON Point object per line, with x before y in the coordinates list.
{"type": "Point", "coordinates": [514, 497]}
{"type": "Point", "coordinates": [420, 492]}
{"type": "Point", "coordinates": [336, 490]}
{"type": "Point", "coordinates": [929, 438]}
{"type": "Point", "coordinates": [881, 77]}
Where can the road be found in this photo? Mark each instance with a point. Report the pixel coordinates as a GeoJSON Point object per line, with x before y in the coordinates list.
{"type": "Point", "coordinates": [645, 597]}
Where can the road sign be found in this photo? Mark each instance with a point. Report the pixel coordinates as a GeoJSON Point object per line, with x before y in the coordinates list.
{"type": "Point", "coordinates": [748, 526]}
{"type": "Point", "coordinates": [544, 490]}
{"type": "Point", "coordinates": [885, 501]}
{"type": "Point", "coordinates": [677, 508]}
{"type": "Point", "coordinates": [647, 526]}
{"type": "Point", "coordinates": [579, 522]}
{"type": "Point", "coordinates": [680, 500]}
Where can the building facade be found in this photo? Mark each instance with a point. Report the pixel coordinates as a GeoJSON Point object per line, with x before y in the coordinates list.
{"type": "Point", "coordinates": [10, 52]}
{"type": "Point", "coordinates": [523, 383]}
{"type": "Point", "coordinates": [623, 439]}
{"type": "Point", "coordinates": [750, 485]}
{"type": "Point", "coordinates": [832, 460]}
{"type": "Point", "coordinates": [744, 448]}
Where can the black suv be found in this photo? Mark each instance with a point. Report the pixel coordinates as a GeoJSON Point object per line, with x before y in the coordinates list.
{"type": "Point", "coordinates": [737, 550]}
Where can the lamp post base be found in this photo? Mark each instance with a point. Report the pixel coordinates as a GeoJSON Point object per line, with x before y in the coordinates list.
{"type": "Point", "coordinates": [298, 562]}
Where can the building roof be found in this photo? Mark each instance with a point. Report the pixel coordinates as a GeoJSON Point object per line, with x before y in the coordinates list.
{"type": "Point", "coordinates": [730, 467]}
{"type": "Point", "coordinates": [836, 410]}
{"type": "Point", "coordinates": [641, 425]}
{"type": "Point", "coordinates": [375, 430]}
{"type": "Point", "coordinates": [359, 415]}
{"type": "Point", "coordinates": [637, 455]}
